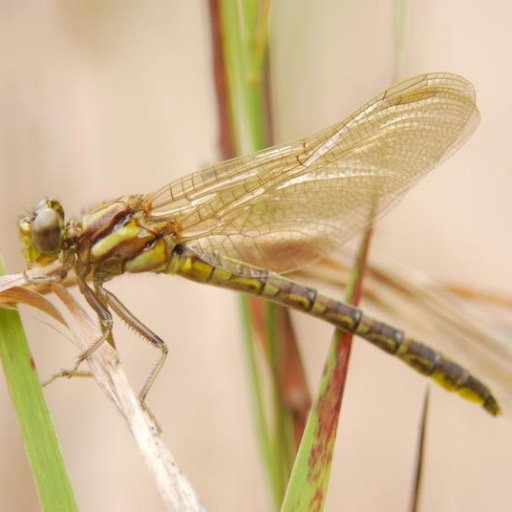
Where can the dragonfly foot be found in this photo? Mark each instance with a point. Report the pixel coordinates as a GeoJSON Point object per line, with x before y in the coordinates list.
{"type": "Point", "coordinates": [67, 374]}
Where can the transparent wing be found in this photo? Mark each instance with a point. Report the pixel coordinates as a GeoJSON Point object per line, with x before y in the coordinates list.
{"type": "Point", "coordinates": [282, 207]}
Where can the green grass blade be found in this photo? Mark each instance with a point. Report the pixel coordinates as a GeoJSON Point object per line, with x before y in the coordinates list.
{"type": "Point", "coordinates": [400, 32]}
{"type": "Point", "coordinates": [240, 34]}
{"type": "Point", "coordinates": [283, 431]}
{"type": "Point", "coordinates": [307, 487]}
{"type": "Point", "coordinates": [262, 425]}
{"type": "Point", "coordinates": [39, 437]}
{"type": "Point", "coordinates": [243, 42]}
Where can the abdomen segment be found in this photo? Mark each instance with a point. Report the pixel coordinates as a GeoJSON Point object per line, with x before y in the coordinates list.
{"type": "Point", "coordinates": [419, 356]}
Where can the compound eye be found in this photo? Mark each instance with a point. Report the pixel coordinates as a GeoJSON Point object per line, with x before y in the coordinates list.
{"type": "Point", "coordinates": [47, 231]}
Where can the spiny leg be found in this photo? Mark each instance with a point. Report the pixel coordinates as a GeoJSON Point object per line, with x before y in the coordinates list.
{"type": "Point", "coordinates": [106, 322]}
{"type": "Point", "coordinates": [132, 321]}
{"type": "Point", "coordinates": [57, 278]}
{"type": "Point", "coordinates": [105, 318]}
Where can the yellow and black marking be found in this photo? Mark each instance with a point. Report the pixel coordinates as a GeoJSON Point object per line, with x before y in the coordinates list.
{"type": "Point", "coordinates": [417, 355]}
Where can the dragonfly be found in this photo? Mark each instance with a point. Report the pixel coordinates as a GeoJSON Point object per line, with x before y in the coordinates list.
{"type": "Point", "coordinates": [244, 223]}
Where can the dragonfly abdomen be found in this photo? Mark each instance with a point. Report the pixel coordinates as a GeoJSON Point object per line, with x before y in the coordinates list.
{"type": "Point", "coordinates": [276, 288]}
{"type": "Point", "coordinates": [427, 361]}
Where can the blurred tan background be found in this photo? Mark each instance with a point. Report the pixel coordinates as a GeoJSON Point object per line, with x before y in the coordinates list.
{"type": "Point", "coordinates": [101, 98]}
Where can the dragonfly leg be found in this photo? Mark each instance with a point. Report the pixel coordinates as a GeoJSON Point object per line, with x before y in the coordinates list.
{"type": "Point", "coordinates": [132, 321]}
{"type": "Point", "coordinates": [106, 322]}
{"type": "Point", "coordinates": [106, 325]}
{"type": "Point", "coordinates": [65, 374]}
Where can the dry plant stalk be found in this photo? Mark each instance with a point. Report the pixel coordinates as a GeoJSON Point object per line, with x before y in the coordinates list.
{"type": "Point", "coordinates": [175, 490]}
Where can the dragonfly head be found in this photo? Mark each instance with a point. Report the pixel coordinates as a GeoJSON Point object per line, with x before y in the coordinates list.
{"type": "Point", "coordinates": [42, 233]}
